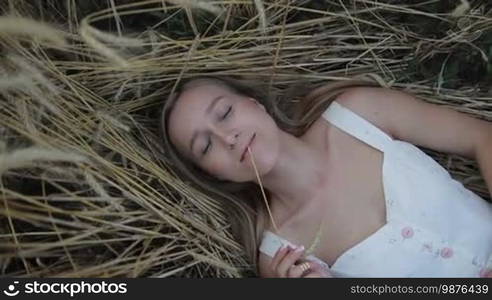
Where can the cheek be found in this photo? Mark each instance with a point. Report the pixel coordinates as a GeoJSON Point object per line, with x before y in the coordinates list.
{"type": "Point", "coordinates": [216, 166]}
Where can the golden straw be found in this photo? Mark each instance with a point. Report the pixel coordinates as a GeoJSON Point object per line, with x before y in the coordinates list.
{"type": "Point", "coordinates": [262, 190]}
{"type": "Point", "coordinates": [317, 238]}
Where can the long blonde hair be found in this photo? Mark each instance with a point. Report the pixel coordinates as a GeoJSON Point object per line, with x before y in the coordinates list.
{"type": "Point", "coordinates": [243, 202]}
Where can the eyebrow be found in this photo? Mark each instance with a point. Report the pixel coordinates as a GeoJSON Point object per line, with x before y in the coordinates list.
{"type": "Point", "coordinates": [207, 111]}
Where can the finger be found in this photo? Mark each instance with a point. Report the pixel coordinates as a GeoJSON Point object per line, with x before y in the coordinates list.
{"type": "Point", "coordinates": [289, 260]}
{"type": "Point", "coordinates": [314, 274]}
{"type": "Point", "coordinates": [279, 255]}
{"type": "Point", "coordinates": [317, 271]}
{"type": "Point", "coordinates": [296, 271]}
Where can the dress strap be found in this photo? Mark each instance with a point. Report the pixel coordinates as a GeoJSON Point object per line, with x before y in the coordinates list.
{"type": "Point", "coordinates": [355, 125]}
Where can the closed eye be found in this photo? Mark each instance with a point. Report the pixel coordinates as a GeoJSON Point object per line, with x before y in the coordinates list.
{"type": "Point", "coordinates": [209, 144]}
{"type": "Point", "coordinates": [227, 113]}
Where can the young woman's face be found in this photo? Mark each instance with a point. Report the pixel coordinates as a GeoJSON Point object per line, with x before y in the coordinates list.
{"type": "Point", "coordinates": [213, 126]}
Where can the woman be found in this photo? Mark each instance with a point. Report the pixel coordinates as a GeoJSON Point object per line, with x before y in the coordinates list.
{"type": "Point", "coordinates": [342, 178]}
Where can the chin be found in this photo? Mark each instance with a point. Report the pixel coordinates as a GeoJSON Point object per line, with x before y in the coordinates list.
{"type": "Point", "coordinates": [264, 166]}
{"type": "Point", "coordinates": [265, 162]}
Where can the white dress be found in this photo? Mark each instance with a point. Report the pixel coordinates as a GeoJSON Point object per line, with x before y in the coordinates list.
{"type": "Point", "coordinates": [434, 227]}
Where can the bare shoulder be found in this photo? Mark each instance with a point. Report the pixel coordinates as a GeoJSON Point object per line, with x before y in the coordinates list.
{"type": "Point", "coordinates": [359, 100]}
{"type": "Point", "coordinates": [409, 118]}
{"type": "Point", "coordinates": [371, 103]}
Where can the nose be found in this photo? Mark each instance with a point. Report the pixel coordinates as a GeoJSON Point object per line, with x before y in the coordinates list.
{"type": "Point", "coordinates": [230, 139]}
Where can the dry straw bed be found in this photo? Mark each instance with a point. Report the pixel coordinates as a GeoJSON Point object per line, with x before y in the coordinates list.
{"type": "Point", "coordinates": [85, 191]}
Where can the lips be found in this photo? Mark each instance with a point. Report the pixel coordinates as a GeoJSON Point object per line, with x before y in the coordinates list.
{"type": "Point", "coordinates": [246, 148]}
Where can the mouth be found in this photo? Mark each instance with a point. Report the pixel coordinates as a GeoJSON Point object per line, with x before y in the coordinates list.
{"type": "Point", "coordinates": [246, 148]}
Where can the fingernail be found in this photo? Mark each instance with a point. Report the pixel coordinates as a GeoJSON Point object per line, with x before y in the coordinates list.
{"type": "Point", "coordinates": [299, 249]}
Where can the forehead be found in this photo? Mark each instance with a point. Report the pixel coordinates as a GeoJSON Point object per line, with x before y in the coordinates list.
{"type": "Point", "coordinates": [188, 112]}
{"type": "Point", "coordinates": [198, 94]}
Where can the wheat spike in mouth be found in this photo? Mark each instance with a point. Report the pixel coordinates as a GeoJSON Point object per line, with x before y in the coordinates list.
{"type": "Point", "coordinates": [262, 190]}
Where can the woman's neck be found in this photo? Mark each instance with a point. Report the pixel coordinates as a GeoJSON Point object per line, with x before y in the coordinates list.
{"type": "Point", "coordinates": [298, 174]}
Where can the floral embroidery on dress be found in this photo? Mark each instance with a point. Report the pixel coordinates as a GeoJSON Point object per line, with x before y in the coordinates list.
{"type": "Point", "coordinates": [407, 232]}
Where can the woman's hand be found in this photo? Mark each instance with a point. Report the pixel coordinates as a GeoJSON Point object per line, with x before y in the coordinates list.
{"type": "Point", "coordinates": [287, 264]}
